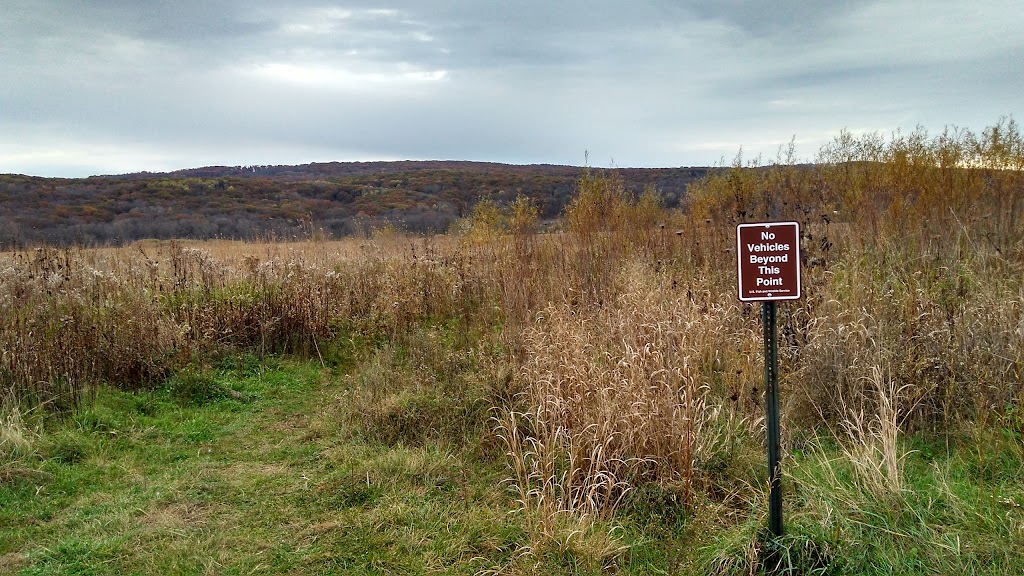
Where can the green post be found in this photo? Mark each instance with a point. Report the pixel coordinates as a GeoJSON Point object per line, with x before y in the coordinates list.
{"type": "Point", "coordinates": [771, 389]}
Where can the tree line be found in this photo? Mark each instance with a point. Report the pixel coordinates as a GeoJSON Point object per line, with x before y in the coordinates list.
{"type": "Point", "coordinates": [284, 202]}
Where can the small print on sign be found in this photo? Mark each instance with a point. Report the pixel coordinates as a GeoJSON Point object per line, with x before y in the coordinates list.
{"type": "Point", "coordinates": [768, 261]}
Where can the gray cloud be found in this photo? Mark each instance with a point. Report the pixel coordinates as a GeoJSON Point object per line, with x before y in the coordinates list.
{"type": "Point", "coordinates": [118, 85]}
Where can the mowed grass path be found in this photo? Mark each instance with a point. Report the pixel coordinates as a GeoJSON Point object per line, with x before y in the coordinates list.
{"type": "Point", "coordinates": [266, 477]}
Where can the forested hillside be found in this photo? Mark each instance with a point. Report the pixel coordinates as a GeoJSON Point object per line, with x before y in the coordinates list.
{"type": "Point", "coordinates": [280, 202]}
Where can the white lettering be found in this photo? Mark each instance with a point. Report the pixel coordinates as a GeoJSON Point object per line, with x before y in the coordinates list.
{"type": "Point", "coordinates": [755, 259]}
{"type": "Point", "coordinates": [776, 247]}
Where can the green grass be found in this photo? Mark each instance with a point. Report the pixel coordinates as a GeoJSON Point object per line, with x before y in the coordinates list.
{"type": "Point", "coordinates": [249, 468]}
{"type": "Point", "coordinates": [276, 467]}
{"type": "Point", "coordinates": [146, 483]}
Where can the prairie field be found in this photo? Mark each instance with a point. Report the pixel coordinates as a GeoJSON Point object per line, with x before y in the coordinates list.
{"type": "Point", "coordinates": [497, 400]}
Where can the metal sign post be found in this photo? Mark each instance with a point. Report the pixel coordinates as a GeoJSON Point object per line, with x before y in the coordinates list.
{"type": "Point", "coordinates": [768, 266]}
{"type": "Point", "coordinates": [771, 391]}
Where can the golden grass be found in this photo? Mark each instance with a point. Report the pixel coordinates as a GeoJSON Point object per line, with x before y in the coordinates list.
{"type": "Point", "coordinates": [17, 439]}
{"type": "Point", "coordinates": [633, 361]}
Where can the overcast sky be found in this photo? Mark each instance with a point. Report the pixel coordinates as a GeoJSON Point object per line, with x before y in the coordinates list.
{"type": "Point", "coordinates": [113, 86]}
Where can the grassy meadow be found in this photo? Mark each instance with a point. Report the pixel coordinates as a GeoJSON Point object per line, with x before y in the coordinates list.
{"type": "Point", "coordinates": [502, 401]}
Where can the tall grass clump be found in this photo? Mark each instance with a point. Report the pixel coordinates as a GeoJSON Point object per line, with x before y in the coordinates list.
{"type": "Point", "coordinates": [17, 437]}
{"type": "Point", "coordinates": [605, 227]}
{"type": "Point", "coordinates": [619, 398]}
{"type": "Point", "coordinates": [70, 323]}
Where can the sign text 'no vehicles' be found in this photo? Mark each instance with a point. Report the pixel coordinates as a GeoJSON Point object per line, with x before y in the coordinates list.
{"type": "Point", "coordinates": [768, 261]}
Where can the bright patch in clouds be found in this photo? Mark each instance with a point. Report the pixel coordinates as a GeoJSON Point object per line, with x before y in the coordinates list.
{"type": "Point", "coordinates": [320, 22]}
{"type": "Point", "coordinates": [344, 79]}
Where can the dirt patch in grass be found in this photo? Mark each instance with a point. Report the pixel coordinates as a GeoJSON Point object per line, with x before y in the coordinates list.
{"type": "Point", "coordinates": [13, 474]}
{"type": "Point", "coordinates": [12, 561]}
{"type": "Point", "coordinates": [243, 470]}
{"type": "Point", "coordinates": [175, 515]}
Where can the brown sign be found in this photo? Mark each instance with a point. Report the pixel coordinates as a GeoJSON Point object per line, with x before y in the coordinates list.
{"type": "Point", "coordinates": [768, 261]}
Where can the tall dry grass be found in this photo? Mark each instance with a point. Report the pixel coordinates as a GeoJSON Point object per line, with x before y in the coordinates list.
{"type": "Point", "coordinates": [912, 318]}
{"type": "Point", "coordinates": [618, 397]}
{"type": "Point", "coordinates": [633, 360]}
{"type": "Point", "coordinates": [17, 438]}
{"type": "Point", "coordinates": [73, 320]}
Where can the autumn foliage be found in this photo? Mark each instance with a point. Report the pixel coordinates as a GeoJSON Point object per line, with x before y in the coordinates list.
{"type": "Point", "coordinates": [630, 359]}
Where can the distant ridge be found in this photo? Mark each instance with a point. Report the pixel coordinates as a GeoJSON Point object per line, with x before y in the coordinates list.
{"type": "Point", "coordinates": [333, 169]}
{"type": "Point", "coordinates": [328, 199]}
